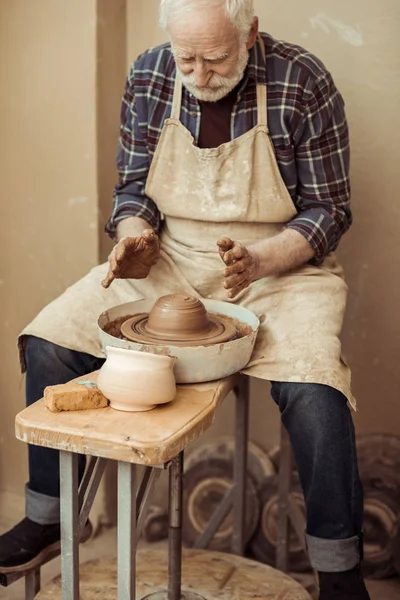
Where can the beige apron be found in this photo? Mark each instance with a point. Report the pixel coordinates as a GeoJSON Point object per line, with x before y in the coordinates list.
{"type": "Point", "coordinates": [234, 190]}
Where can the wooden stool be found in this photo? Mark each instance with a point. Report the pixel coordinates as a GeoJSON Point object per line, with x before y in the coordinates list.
{"type": "Point", "coordinates": [211, 575]}
{"type": "Point", "coordinates": [155, 439]}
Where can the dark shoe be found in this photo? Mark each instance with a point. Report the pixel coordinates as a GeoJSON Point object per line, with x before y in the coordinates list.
{"type": "Point", "coordinates": [29, 545]}
{"type": "Point", "coordinates": [348, 585]}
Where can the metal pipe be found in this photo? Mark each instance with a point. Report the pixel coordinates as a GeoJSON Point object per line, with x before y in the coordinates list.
{"type": "Point", "coordinates": [240, 465]}
{"type": "Point", "coordinates": [87, 476]}
{"type": "Point", "coordinates": [145, 493]}
{"type": "Point", "coordinates": [69, 512]}
{"type": "Point", "coordinates": [223, 510]}
{"type": "Point", "coordinates": [126, 531]}
{"type": "Point", "coordinates": [99, 466]}
{"type": "Point", "coordinates": [175, 528]}
{"type": "Point", "coordinates": [32, 584]}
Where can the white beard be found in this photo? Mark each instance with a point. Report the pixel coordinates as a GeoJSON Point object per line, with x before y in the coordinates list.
{"type": "Point", "coordinates": [218, 87]}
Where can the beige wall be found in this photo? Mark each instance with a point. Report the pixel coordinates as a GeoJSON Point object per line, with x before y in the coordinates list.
{"type": "Point", "coordinates": [360, 44]}
{"type": "Point", "coordinates": [48, 186]}
{"type": "Point", "coordinates": [62, 67]}
{"type": "Point", "coordinates": [111, 73]}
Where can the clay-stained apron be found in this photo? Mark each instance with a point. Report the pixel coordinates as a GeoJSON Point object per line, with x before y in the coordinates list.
{"type": "Point", "coordinates": [234, 190]}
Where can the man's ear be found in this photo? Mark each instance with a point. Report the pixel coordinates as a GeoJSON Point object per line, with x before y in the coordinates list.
{"type": "Point", "coordinates": [253, 33]}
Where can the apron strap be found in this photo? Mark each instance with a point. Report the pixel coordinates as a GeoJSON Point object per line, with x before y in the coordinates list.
{"type": "Point", "coordinates": [177, 99]}
{"type": "Point", "coordinates": [262, 105]}
{"type": "Point", "coordinates": [262, 92]}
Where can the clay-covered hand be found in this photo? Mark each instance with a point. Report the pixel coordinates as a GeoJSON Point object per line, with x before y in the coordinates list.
{"type": "Point", "coordinates": [133, 257]}
{"type": "Point", "coordinates": [241, 266]}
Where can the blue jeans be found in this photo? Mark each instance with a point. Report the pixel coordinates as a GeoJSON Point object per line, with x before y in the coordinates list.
{"type": "Point", "coordinates": [322, 436]}
{"type": "Point", "coordinates": [49, 364]}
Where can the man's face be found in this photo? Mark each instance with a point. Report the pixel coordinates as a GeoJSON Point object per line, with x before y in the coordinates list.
{"type": "Point", "coordinates": [210, 56]}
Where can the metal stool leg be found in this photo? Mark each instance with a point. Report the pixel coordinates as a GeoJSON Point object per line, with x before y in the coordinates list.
{"type": "Point", "coordinates": [69, 512]}
{"type": "Point", "coordinates": [126, 531]}
{"type": "Point", "coordinates": [32, 584]}
{"type": "Point", "coordinates": [175, 528]}
{"type": "Point", "coordinates": [240, 465]}
{"type": "Point", "coordinates": [174, 591]}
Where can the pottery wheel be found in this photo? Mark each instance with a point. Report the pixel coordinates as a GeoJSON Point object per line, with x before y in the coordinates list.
{"type": "Point", "coordinates": [221, 329]}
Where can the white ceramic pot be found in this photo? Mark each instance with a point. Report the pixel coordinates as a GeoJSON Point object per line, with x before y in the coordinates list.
{"type": "Point", "coordinates": [136, 381]}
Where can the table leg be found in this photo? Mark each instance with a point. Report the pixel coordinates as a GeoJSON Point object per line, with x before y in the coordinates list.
{"type": "Point", "coordinates": [126, 531]}
{"type": "Point", "coordinates": [32, 584]}
{"type": "Point", "coordinates": [240, 465]}
{"type": "Point", "coordinates": [175, 528]}
{"type": "Point", "coordinates": [174, 591]}
{"type": "Point", "coordinates": [69, 514]}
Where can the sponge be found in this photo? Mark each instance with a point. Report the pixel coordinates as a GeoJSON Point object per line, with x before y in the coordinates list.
{"type": "Point", "coordinates": [74, 395]}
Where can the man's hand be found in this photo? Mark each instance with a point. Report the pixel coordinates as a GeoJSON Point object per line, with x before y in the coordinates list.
{"type": "Point", "coordinates": [133, 257]}
{"type": "Point", "coordinates": [286, 251]}
{"type": "Point", "coordinates": [242, 266]}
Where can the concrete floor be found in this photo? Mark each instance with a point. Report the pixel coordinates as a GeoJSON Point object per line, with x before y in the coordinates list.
{"type": "Point", "coordinates": [105, 545]}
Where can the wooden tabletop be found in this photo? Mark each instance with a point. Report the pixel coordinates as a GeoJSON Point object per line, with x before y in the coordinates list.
{"type": "Point", "coordinates": [147, 438]}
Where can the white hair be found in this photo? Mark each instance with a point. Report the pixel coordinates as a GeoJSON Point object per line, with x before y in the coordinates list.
{"type": "Point", "coordinates": [240, 12]}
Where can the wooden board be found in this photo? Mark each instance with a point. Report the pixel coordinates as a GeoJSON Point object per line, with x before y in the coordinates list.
{"type": "Point", "coordinates": [148, 438]}
{"type": "Point", "coordinates": [213, 575]}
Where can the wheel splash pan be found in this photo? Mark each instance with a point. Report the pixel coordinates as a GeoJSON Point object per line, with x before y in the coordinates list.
{"type": "Point", "coordinates": [195, 364]}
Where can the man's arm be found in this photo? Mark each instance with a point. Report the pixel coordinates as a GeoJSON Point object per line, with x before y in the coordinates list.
{"type": "Point", "coordinates": [323, 164]}
{"type": "Point", "coordinates": [131, 227]}
{"type": "Point", "coordinates": [283, 252]}
{"type": "Point", "coordinates": [130, 201]}
{"type": "Point", "coordinates": [323, 197]}
{"type": "Point", "coordinates": [135, 219]}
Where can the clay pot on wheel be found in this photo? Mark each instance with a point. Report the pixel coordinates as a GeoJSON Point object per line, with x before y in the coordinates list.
{"type": "Point", "coordinates": [179, 319]}
{"type": "Point", "coordinates": [136, 381]}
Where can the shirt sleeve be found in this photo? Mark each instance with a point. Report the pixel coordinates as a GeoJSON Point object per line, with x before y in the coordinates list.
{"type": "Point", "coordinates": [323, 161]}
{"type": "Point", "coordinates": [133, 163]}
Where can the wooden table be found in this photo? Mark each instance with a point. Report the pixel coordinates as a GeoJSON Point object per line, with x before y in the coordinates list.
{"type": "Point", "coordinates": [155, 439]}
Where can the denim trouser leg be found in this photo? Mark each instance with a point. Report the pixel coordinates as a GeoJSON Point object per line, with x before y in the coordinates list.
{"type": "Point", "coordinates": [49, 364]}
{"type": "Point", "coordinates": [321, 431]}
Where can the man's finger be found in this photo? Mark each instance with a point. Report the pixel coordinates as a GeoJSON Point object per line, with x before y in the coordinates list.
{"type": "Point", "coordinates": [112, 268]}
{"type": "Point", "coordinates": [236, 253]}
{"type": "Point", "coordinates": [225, 244]}
{"type": "Point", "coordinates": [149, 234]}
{"type": "Point", "coordinates": [119, 254]}
{"type": "Point", "coordinates": [238, 266]}
{"type": "Point", "coordinates": [235, 291]}
{"type": "Point", "coordinates": [234, 281]}
{"type": "Point", "coordinates": [108, 280]}
{"type": "Point", "coordinates": [235, 268]}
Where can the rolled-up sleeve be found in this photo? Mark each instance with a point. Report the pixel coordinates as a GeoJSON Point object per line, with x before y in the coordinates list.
{"type": "Point", "coordinates": [322, 161]}
{"type": "Point", "coordinates": [133, 163]}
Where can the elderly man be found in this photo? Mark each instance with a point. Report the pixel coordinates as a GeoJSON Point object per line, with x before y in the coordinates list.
{"type": "Point", "coordinates": [233, 161]}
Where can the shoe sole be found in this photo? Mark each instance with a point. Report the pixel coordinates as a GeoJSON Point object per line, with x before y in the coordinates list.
{"type": "Point", "coordinates": [45, 555]}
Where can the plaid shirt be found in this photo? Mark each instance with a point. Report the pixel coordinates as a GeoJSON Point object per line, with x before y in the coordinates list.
{"type": "Point", "coordinates": [307, 125]}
